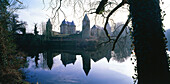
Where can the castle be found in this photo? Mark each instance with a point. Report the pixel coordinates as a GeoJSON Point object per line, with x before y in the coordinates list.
{"type": "Point", "coordinates": [68, 31]}
{"type": "Point", "coordinates": [87, 32]}
{"type": "Point", "coordinates": [67, 27]}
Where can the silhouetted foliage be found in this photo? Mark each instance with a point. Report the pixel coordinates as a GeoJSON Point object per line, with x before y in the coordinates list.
{"type": "Point", "coordinates": [35, 29]}
{"type": "Point", "coordinates": [15, 25]}
{"type": "Point", "coordinates": [10, 59]}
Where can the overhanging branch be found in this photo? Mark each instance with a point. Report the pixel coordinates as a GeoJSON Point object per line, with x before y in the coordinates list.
{"type": "Point", "coordinates": [128, 20]}
{"type": "Point", "coordinates": [107, 18]}
{"type": "Point", "coordinates": [19, 1]}
{"type": "Point", "coordinates": [57, 9]}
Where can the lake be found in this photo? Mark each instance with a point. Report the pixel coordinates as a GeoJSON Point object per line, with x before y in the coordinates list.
{"type": "Point", "coordinates": [80, 66]}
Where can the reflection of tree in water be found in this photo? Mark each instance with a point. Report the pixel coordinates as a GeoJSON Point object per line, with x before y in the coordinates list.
{"type": "Point", "coordinates": [122, 50]}
{"type": "Point", "coordinates": [101, 52]}
{"type": "Point", "coordinates": [49, 59]}
{"type": "Point", "coordinates": [42, 60]}
{"type": "Point", "coordinates": [36, 60]}
{"type": "Point", "coordinates": [123, 47]}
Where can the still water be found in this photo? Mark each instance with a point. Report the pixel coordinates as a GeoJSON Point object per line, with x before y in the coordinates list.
{"type": "Point", "coordinates": [80, 66]}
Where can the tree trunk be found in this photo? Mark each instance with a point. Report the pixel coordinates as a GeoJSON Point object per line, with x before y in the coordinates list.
{"type": "Point", "coordinates": [149, 42]}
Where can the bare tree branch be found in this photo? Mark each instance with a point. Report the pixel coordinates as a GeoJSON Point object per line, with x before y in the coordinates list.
{"type": "Point", "coordinates": [19, 1]}
{"type": "Point", "coordinates": [57, 9]}
{"type": "Point", "coordinates": [63, 13]}
{"type": "Point", "coordinates": [128, 20]}
{"type": "Point", "coordinates": [89, 11]}
{"type": "Point", "coordinates": [101, 6]}
{"type": "Point", "coordinates": [43, 4]}
{"type": "Point", "coordinates": [107, 19]}
{"type": "Point", "coordinates": [105, 42]}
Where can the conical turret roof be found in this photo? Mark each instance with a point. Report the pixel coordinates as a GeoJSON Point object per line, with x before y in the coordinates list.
{"type": "Point", "coordinates": [72, 23]}
{"type": "Point", "coordinates": [64, 22]}
{"type": "Point", "coordinates": [86, 70]}
{"type": "Point", "coordinates": [48, 22]}
{"type": "Point", "coordinates": [86, 18]}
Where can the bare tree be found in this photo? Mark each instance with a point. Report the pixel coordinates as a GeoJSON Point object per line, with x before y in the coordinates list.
{"type": "Point", "coordinates": [78, 9]}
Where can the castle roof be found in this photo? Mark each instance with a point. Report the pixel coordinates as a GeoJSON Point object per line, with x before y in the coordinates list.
{"type": "Point", "coordinates": [64, 22]}
{"type": "Point", "coordinates": [49, 22]}
{"type": "Point", "coordinates": [86, 18]}
{"type": "Point", "coordinates": [96, 27]}
{"type": "Point", "coordinates": [67, 22]}
{"type": "Point", "coordinates": [72, 23]}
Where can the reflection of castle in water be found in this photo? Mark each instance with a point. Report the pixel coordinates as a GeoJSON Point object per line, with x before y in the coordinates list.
{"type": "Point", "coordinates": [69, 56]}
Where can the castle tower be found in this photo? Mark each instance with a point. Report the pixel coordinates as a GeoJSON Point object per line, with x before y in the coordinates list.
{"type": "Point", "coordinates": [68, 58]}
{"type": "Point", "coordinates": [86, 27]}
{"type": "Point", "coordinates": [64, 27]}
{"type": "Point", "coordinates": [86, 63]}
{"type": "Point", "coordinates": [48, 29]}
{"type": "Point", "coordinates": [72, 28]}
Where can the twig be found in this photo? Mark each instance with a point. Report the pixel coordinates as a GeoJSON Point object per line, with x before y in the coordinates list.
{"type": "Point", "coordinates": [89, 11]}
{"type": "Point", "coordinates": [101, 6]}
{"type": "Point", "coordinates": [57, 10]}
{"type": "Point", "coordinates": [107, 19]}
{"type": "Point", "coordinates": [104, 42]}
{"type": "Point", "coordinates": [63, 13]}
{"type": "Point", "coordinates": [43, 4]}
{"type": "Point", "coordinates": [128, 20]}
{"type": "Point", "coordinates": [19, 1]}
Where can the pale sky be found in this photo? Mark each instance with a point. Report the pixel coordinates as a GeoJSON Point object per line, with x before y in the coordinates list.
{"type": "Point", "coordinates": [34, 13]}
